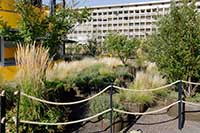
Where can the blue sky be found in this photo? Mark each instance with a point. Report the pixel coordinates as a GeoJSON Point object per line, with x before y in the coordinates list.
{"type": "Point", "coordinates": [103, 2]}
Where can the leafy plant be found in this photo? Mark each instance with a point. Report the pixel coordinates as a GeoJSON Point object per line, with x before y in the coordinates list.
{"type": "Point", "coordinates": [35, 25]}
{"type": "Point", "coordinates": [175, 47]}
{"type": "Point", "coordinates": [148, 79]}
{"type": "Point", "coordinates": [121, 46]}
{"type": "Point", "coordinates": [102, 103]}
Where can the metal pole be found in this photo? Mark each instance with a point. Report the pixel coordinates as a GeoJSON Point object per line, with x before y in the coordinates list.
{"type": "Point", "coordinates": [3, 112]}
{"type": "Point", "coordinates": [17, 117]}
{"type": "Point", "coordinates": [180, 118]}
{"type": "Point", "coordinates": [52, 7]}
{"type": "Point", "coordinates": [111, 107]}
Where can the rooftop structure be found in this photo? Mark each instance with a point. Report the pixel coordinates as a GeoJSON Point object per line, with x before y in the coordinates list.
{"type": "Point", "coordinates": [132, 19]}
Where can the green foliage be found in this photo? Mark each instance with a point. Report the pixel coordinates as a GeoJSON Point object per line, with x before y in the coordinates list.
{"type": "Point", "coordinates": [94, 78]}
{"type": "Point", "coordinates": [121, 46]}
{"type": "Point", "coordinates": [61, 24]}
{"type": "Point", "coordinates": [35, 25]}
{"type": "Point", "coordinates": [176, 46]}
{"type": "Point", "coordinates": [148, 79]}
{"type": "Point", "coordinates": [102, 103]}
{"type": "Point", "coordinates": [195, 98]}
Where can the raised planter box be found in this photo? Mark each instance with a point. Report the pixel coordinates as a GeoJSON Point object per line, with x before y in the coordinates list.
{"type": "Point", "coordinates": [135, 107]}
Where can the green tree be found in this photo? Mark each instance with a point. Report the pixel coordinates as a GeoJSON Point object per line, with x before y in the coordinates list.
{"type": "Point", "coordinates": [175, 47]}
{"type": "Point", "coordinates": [35, 24]}
{"type": "Point", "coordinates": [121, 46]}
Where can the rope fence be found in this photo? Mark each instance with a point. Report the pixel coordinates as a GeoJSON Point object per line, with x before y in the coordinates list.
{"type": "Point", "coordinates": [148, 90]}
{"type": "Point", "coordinates": [69, 103]}
{"type": "Point", "coordinates": [190, 103]}
{"type": "Point", "coordinates": [189, 82]}
{"type": "Point", "coordinates": [64, 123]}
{"type": "Point", "coordinates": [146, 113]}
{"type": "Point", "coordinates": [111, 109]}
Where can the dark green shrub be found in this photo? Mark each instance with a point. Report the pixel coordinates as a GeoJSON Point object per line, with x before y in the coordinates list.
{"type": "Point", "coordinates": [102, 103]}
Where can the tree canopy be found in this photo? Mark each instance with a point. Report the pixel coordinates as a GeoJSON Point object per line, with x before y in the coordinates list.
{"type": "Point", "coordinates": [175, 47]}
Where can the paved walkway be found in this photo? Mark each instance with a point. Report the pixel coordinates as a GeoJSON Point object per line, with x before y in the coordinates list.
{"type": "Point", "coordinates": [163, 123]}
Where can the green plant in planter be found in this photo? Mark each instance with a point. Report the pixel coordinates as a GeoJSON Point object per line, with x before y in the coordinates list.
{"type": "Point", "coordinates": [148, 79]}
{"type": "Point", "coordinates": [102, 103]}
{"type": "Point", "coordinates": [95, 78]}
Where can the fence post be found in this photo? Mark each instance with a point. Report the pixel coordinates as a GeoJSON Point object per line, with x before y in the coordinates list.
{"type": "Point", "coordinates": [18, 93]}
{"type": "Point", "coordinates": [180, 104]}
{"type": "Point", "coordinates": [3, 112]}
{"type": "Point", "coordinates": [111, 107]}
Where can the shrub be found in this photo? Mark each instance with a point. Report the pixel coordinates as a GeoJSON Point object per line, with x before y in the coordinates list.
{"type": "Point", "coordinates": [102, 103]}
{"type": "Point", "coordinates": [33, 62]}
{"type": "Point", "coordinates": [148, 79]}
{"type": "Point", "coordinates": [94, 78]}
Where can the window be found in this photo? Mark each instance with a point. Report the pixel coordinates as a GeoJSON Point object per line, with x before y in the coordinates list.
{"type": "Point", "coordinates": [136, 17]}
{"type": "Point", "coordinates": [148, 29]}
{"type": "Point", "coordinates": [125, 12]}
{"type": "Point", "coordinates": [131, 24]}
{"type": "Point", "coordinates": [94, 14]}
{"type": "Point", "coordinates": [99, 13]}
{"type": "Point", "coordinates": [154, 10]}
{"type": "Point", "coordinates": [105, 13]}
{"type": "Point", "coordinates": [120, 12]}
{"type": "Point", "coordinates": [131, 18]}
{"type": "Point", "coordinates": [136, 11]}
{"type": "Point", "coordinates": [130, 30]}
{"type": "Point", "coordinates": [136, 24]}
{"type": "Point", "coordinates": [115, 12]}
{"type": "Point", "coordinates": [148, 23]}
{"type": "Point", "coordinates": [142, 23]}
{"type": "Point", "coordinates": [148, 10]}
{"type": "Point", "coordinates": [125, 18]}
{"type": "Point", "coordinates": [110, 13]}
{"type": "Point", "coordinates": [142, 11]}
{"type": "Point", "coordinates": [131, 11]}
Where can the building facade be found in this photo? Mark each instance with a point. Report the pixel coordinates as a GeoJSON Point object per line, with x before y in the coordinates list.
{"type": "Point", "coordinates": [133, 20]}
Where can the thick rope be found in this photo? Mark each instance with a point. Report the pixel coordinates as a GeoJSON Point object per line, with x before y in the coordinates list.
{"type": "Point", "coordinates": [65, 123]}
{"type": "Point", "coordinates": [146, 113]}
{"type": "Point", "coordinates": [69, 103]}
{"type": "Point", "coordinates": [190, 103]}
{"type": "Point", "coordinates": [189, 82]}
{"type": "Point", "coordinates": [148, 90]}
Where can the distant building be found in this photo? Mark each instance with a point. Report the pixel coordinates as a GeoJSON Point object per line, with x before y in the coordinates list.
{"type": "Point", "coordinates": [133, 19]}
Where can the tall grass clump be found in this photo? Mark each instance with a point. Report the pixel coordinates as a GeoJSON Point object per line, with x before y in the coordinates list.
{"type": "Point", "coordinates": [33, 62]}
{"type": "Point", "coordinates": [148, 79]}
{"type": "Point", "coordinates": [62, 70]}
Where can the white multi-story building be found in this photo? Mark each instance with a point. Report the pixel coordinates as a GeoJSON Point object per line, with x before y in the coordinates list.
{"type": "Point", "coordinates": [133, 20]}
